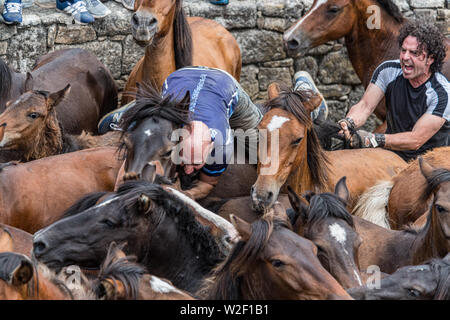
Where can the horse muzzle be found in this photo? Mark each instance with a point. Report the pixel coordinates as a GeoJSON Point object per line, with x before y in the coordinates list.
{"type": "Point", "coordinates": [296, 44]}
{"type": "Point", "coordinates": [144, 28]}
{"type": "Point", "coordinates": [262, 199]}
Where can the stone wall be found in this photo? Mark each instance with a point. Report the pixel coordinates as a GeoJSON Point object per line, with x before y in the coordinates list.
{"type": "Point", "coordinates": [258, 26]}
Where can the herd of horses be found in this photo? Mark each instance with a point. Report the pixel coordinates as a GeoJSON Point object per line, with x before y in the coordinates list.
{"type": "Point", "coordinates": [314, 229]}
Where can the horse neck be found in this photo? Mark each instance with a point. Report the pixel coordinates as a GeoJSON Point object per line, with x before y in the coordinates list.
{"type": "Point", "coordinates": [367, 48]}
{"type": "Point", "coordinates": [159, 59]}
{"type": "Point", "coordinates": [431, 241]}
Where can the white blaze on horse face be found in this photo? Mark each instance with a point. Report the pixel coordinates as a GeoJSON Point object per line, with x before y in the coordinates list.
{"type": "Point", "coordinates": [338, 233]}
{"type": "Point", "coordinates": [161, 286]}
{"type": "Point", "coordinates": [106, 202]}
{"type": "Point", "coordinates": [276, 123]}
{"type": "Point", "coordinates": [299, 22]}
{"type": "Point", "coordinates": [148, 132]}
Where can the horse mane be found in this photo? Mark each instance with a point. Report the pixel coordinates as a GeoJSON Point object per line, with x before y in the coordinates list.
{"type": "Point", "coordinates": [325, 205]}
{"type": "Point", "coordinates": [125, 270]}
{"type": "Point", "coordinates": [438, 176]}
{"type": "Point", "coordinates": [292, 101]}
{"type": "Point", "coordinates": [182, 38]}
{"type": "Point", "coordinates": [167, 204]}
{"type": "Point", "coordinates": [227, 278]}
{"type": "Point", "coordinates": [83, 204]}
{"type": "Point", "coordinates": [392, 9]}
{"type": "Point", "coordinates": [5, 80]}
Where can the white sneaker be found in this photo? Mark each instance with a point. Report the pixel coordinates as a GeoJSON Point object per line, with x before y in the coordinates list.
{"type": "Point", "coordinates": [304, 81]}
{"type": "Point", "coordinates": [97, 9]}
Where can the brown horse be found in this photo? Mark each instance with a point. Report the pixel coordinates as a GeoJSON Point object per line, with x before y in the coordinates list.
{"type": "Point", "coordinates": [393, 203]}
{"type": "Point", "coordinates": [174, 41]}
{"type": "Point", "coordinates": [15, 240]}
{"type": "Point", "coordinates": [324, 219]}
{"type": "Point", "coordinates": [35, 194]}
{"type": "Point", "coordinates": [93, 94]}
{"type": "Point", "coordinates": [367, 46]}
{"type": "Point", "coordinates": [391, 249]}
{"type": "Point", "coordinates": [30, 127]}
{"type": "Point", "coordinates": [271, 262]}
{"type": "Point", "coordinates": [295, 156]}
{"type": "Point", "coordinates": [121, 278]}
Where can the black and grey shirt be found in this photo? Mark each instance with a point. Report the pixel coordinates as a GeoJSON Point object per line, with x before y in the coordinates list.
{"type": "Point", "coordinates": [406, 104]}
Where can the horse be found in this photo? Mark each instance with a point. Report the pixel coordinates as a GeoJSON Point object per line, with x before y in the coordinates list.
{"type": "Point", "coordinates": [15, 240]}
{"type": "Point", "coordinates": [367, 46]}
{"type": "Point", "coordinates": [154, 222]}
{"type": "Point", "coordinates": [121, 278]}
{"type": "Point", "coordinates": [393, 203]}
{"type": "Point", "coordinates": [29, 126]}
{"type": "Point", "coordinates": [324, 219]}
{"type": "Point", "coordinates": [93, 94]}
{"type": "Point", "coordinates": [270, 262]}
{"type": "Point", "coordinates": [35, 194]}
{"type": "Point", "coordinates": [174, 41]}
{"type": "Point", "coordinates": [429, 281]}
{"type": "Point", "coordinates": [392, 249]}
{"type": "Point", "coordinates": [294, 156]}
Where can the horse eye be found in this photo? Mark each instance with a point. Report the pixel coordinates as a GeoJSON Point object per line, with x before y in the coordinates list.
{"type": "Point", "coordinates": [414, 292]}
{"type": "Point", "coordinates": [277, 263]}
{"type": "Point", "coordinates": [334, 9]}
{"type": "Point", "coordinates": [109, 223]}
{"type": "Point", "coordinates": [439, 208]}
{"type": "Point", "coordinates": [167, 154]}
{"type": "Point", "coordinates": [297, 141]}
{"type": "Point", "coordinates": [33, 115]}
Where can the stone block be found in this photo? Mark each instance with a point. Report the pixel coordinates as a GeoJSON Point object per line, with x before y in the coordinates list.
{"type": "Point", "coordinates": [75, 34]}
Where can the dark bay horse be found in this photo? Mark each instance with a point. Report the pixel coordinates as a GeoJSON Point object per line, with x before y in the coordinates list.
{"type": "Point", "coordinates": [174, 41]}
{"type": "Point", "coordinates": [367, 47]}
{"type": "Point", "coordinates": [324, 219]}
{"type": "Point", "coordinates": [159, 228]}
{"type": "Point", "coordinates": [429, 281]}
{"type": "Point", "coordinates": [294, 155]}
{"type": "Point", "coordinates": [31, 128]}
{"type": "Point", "coordinates": [393, 203]}
{"type": "Point", "coordinates": [122, 278]}
{"type": "Point", "coordinates": [271, 262]}
{"type": "Point", "coordinates": [93, 93]}
{"type": "Point", "coordinates": [392, 249]}
{"type": "Point", "coordinates": [36, 193]}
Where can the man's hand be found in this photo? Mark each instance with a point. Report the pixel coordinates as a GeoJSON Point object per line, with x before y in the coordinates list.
{"type": "Point", "coordinates": [348, 127]}
{"type": "Point", "coordinates": [364, 139]}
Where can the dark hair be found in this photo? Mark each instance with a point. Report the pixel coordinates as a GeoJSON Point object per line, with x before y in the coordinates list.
{"type": "Point", "coordinates": [430, 39]}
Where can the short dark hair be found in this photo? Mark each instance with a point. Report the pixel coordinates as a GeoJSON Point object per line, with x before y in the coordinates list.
{"type": "Point", "coordinates": [430, 39]}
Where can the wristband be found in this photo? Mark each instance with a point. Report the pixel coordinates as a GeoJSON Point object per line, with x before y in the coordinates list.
{"type": "Point", "coordinates": [380, 139]}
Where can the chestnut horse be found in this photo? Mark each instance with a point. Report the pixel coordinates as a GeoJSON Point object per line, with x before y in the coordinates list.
{"type": "Point", "coordinates": [295, 156]}
{"type": "Point", "coordinates": [392, 249]}
{"type": "Point", "coordinates": [367, 46]}
{"type": "Point", "coordinates": [15, 240]}
{"type": "Point", "coordinates": [393, 203]}
{"type": "Point", "coordinates": [30, 127]}
{"type": "Point", "coordinates": [174, 41]}
{"type": "Point", "coordinates": [35, 194]}
{"type": "Point", "coordinates": [270, 262]}
{"type": "Point", "coordinates": [93, 94]}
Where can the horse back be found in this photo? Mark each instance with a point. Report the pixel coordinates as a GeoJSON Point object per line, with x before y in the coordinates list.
{"type": "Point", "coordinates": [35, 194]}
{"type": "Point", "coordinates": [363, 169]}
{"type": "Point", "coordinates": [214, 46]}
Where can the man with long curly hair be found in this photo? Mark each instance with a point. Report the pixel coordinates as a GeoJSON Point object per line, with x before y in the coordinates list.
{"type": "Point", "coordinates": [417, 97]}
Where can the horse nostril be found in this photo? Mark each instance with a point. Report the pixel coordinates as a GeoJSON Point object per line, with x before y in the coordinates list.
{"type": "Point", "coordinates": [152, 22]}
{"type": "Point", "coordinates": [270, 195]}
{"type": "Point", "coordinates": [38, 248]}
{"type": "Point", "coordinates": [293, 44]}
{"type": "Point", "coordinates": [135, 20]}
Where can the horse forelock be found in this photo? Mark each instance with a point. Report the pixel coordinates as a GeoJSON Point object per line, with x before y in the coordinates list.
{"type": "Point", "coordinates": [434, 180]}
{"type": "Point", "coordinates": [327, 205]}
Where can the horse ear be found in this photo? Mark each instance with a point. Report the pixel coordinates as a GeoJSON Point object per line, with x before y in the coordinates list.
{"type": "Point", "coordinates": [56, 97]}
{"type": "Point", "coordinates": [243, 227]}
{"type": "Point", "coordinates": [28, 82]}
{"type": "Point", "coordinates": [426, 168]}
{"type": "Point", "coordinates": [299, 204]}
{"type": "Point", "coordinates": [144, 202]}
{"type": "Point", "coordinates": [273, 90]}
{"type": "Point", "coordinates": [6, 241]}
{"type": "Point", "coordinates": [23, 273]}
{"type": "Point", "coordinates": [314, 102]}
{"type": "Point", "coordinates": [116, 251]}
{"type": "Point", "coordinates": [341, 189]}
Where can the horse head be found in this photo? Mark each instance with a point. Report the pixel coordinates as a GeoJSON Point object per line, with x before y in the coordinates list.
{"type": "Point", "coordinates": [148, 127]}
{"type": "Point", "coordinates": [324, 219]}
{"type": "Point", "coordinates": [287, 144]}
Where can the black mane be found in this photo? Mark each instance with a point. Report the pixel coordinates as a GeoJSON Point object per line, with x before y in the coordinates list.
{"type": "Point", "coordinates": [327, 205]}
{"type": "Point", "coordinates": [5, 81]}
{"type": "Point", "coordinates": [392, 9]}
{"type": "Point", "coordinates": [437, 177]}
